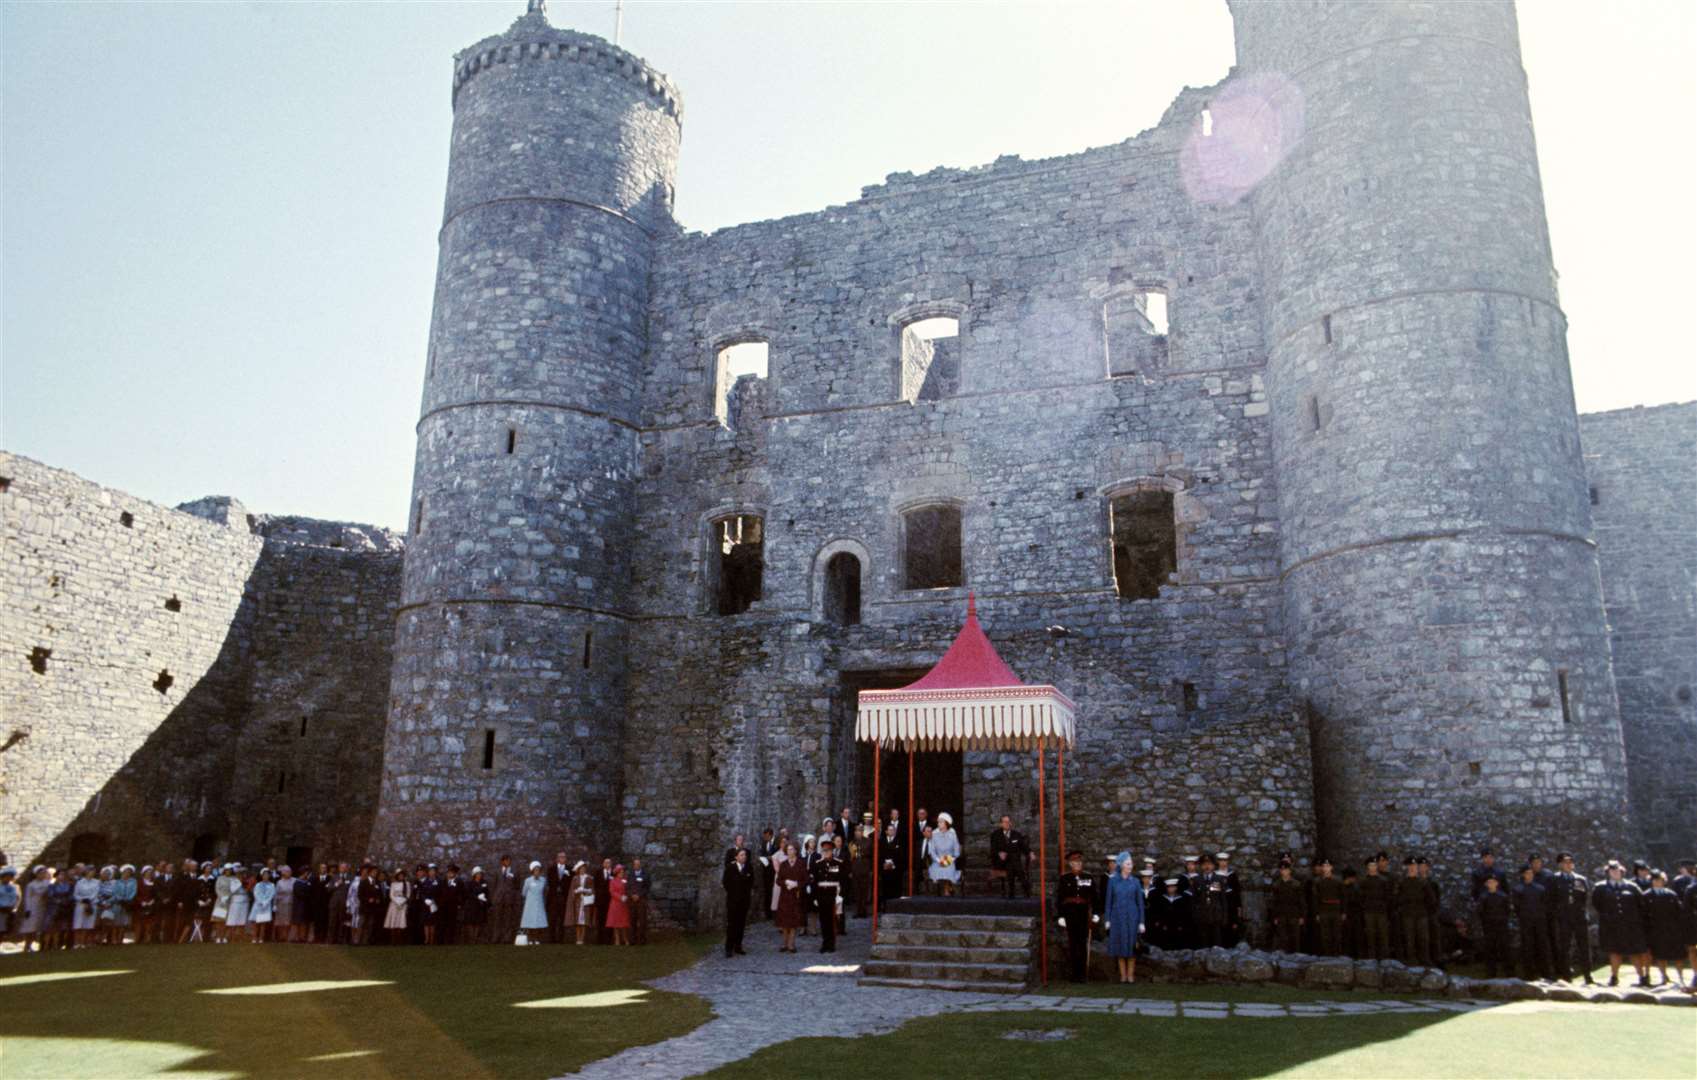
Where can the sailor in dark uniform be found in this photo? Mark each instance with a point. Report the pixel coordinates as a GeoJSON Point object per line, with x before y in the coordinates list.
{"type": "Point", "coordinates": [1571, 895]}
{"type": "Point", "coordinates": [830, 878]}
{"type": "Point", "coordinates": [1620, 923]}
{"type": "Point", "coordinates": [1192, 876]}
{"type": "Point", "coordinates": [1494, 908]}
{"type": "Point", "coordinates": [1079, 903]}
{"type": "Point", "coordinates": [1487, 868]}
{"type": "Point", "coordinates": [1234, 898]}
{"type": "Point", "coordinates": [1169, 915]}
{"type": "Point", "coordinates": [1535, 917]}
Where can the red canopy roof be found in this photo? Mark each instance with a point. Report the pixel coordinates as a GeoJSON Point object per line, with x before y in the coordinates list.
{"type": "Point", "coordinates": [970, 662]}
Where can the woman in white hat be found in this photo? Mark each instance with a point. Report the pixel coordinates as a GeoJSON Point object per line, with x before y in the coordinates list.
{"type": "Point", "coordinates": [580, 900]}
{"type": "Point", "coordinates": [395, 916]}
{"type": "Point", "coordinates": [944, 851]}
{"type": "Point", "coordinates": [534, 922]}
{"type": "Point", "coordinates": [236, 926]}
{"type": "Point", "coordinates": [86, 912]}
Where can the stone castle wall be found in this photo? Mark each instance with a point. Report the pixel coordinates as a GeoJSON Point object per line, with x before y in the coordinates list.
{"type": "Point", "coordinates": [1642, 465]}
{"type": "Point", "coordinates": [183, 652]}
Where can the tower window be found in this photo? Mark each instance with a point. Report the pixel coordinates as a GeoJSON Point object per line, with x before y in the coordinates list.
{"type": "Point", "coordinates": [1326, 328]}
{"type": "Point", "coordinates": [1561, 690]}
{"type": "Point", "coordinates": [1145, 543]}
{"type": "Point", "coordinates": [588, 647]}
{"type": "Point", "coordinates": [1316, 418]}
{"type": "Point", "coordinates": [282, 781]}
{"type": "Point", "coordinates": [173, 604]}
{"type": "Point", "coordinates": [842, 589]}
{"type": "Point", "coordinates": [418, 517]}
{"type": "Point", "coordinates": [163, 682]}
{"type": "Point", "coordinates": [1134, 331]}
{"type": "Point", "coordinates": [931, 548]}
{"type": "Point", "coordinates": [1188, 698]}
{"type": "Point", "coordinates": [738, 562]}
{"type": "Point", "coordinates": [1594, 496]}
{"type": "Point", "coordinates": [930, 358]}
{"type": "Point", "coordinates": [488, 748]}
{"type": "Point", "coordinates": [1207, 122]}
{"type": "Point", "coordinates": [127, 520]}
{"type": "Point", "coordinates": [38, 659]}
{"type": "Point", "coordinates": [303, 727]}
{"type": "Point", "coordinates": [512, 439]}
{"type": "Point", "coordinates": [741, 366]}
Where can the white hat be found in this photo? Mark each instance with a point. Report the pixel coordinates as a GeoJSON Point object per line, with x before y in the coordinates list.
{"type": "Point", "coordinates": [576, 865]}
{"type": "Point", "coordinates": [1222, 855]}
{"type": "Point", "coordinates": [944, 817]}
{"type": "Point", "coordinates": [476, 870]}
{"type": "Point", "coordinates": [534, 865]}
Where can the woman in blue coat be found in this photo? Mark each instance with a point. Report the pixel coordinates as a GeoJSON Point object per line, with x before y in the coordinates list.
{"type": "Point", "coordinates": [1123, 915]}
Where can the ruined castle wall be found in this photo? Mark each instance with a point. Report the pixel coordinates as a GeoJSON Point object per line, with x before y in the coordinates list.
{"type": "Point", "coordinates": [99, 744]}
{"type": "Point", "coordinates": [742, 721]}
{"type": "Point", "coordinates": [1642, 467]}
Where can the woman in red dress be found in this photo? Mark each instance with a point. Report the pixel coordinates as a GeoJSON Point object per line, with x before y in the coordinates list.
{"type": "Point", "coordinates": [618, 908]}
{"type": "Point", "coordinates": [791, 883]}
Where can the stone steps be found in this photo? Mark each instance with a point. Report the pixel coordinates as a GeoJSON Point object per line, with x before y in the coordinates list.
{"type": "Point", "coordinates": [966, 939]}
{"type": "Point", "coordinates": [947, 984]}
{"type": "Point", "coordinates": [923, 954]}
{"type": "Point", "coordinates": [986, 953]}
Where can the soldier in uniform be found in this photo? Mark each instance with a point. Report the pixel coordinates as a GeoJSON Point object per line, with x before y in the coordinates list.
{"type": "Point", "coordinates": [1375, 913]}
{"type": "Point", "coordinates": [1434, 904]}
{"type": "Point", "coordinates": [1351, 913]}
{"type": "Point", "coordinates": [1328, 898]}
{"type": "Point", "coordinates": [1494, 908]}
{"type": "Point", "coordinates": [1234, 898]}
{"type": "Point", "coordinates": [1532, 911]}
{"type": "Point", "coordinates": [1078, 899]}
{"type": "Point", "coordinates": [1288, 906]}
{"type": "Point", "coordinates": [1210, 905]}
{"type": "Point", "coordinates": [1620, 923]}
{"type": "Point", "coordinates": [829, 877]}
{"type": "Point", "coordinates": [1487, 868]}
{"type": "Point", "coordinates": [1571, 895]}
{"type": "Point", "coordinates": [1410, 899]}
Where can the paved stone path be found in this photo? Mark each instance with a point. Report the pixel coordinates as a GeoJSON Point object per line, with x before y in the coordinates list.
{"type": "Point", "coordinates": [770, 996]}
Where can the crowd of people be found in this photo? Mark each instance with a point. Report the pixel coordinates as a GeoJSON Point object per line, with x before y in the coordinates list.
{"type": "Point", "coordinates": [1538, 916]}
{"type": "Point", "coordinates": [79, 906]}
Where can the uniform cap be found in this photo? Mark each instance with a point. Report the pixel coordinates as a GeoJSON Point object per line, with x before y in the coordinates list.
{"type": "Point", "coordinates": [1189, 858]}
{"type": "Point", "coordinates": [1409, 861]}
{"type": "Point", "coordinates": [1222, 855]}
{"type": "Point", "coordinates": [1172, 881]}
{"type": "Point", "coordinates": [1146, 872]}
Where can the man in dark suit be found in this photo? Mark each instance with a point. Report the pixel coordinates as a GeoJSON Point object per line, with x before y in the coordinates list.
{"type": "Point", "coordinates": [738, 880]}
{"type": "Point", "coordinates": [768, 848]}
{"type": "Point", "coordinates": [449, 899]}
{"type": "Point", "coordinates": [638, 886]}
{"type": "Point", "coordinates": [373, 898]}
{"type": "Point", "coordinates": [846, 823]}
{"type": "Point", "coordinates": [1010, 858]}
{"type": "Point", "coordinates": [559, 882]}
{"type": "Point", "coordinates": [738, 843]}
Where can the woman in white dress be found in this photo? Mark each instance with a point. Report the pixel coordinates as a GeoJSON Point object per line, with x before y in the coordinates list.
{"type": "Point", "coordinates": [395, 919]}
{"type": "Point", "coordinates": [85, 909]}
{"type": "Point", "coordinates": [264, 906]}
{"type": "Point", "coordinates": [944, 851]}
{"type": "Point", "coordinates": [241, 902]}
{"type": "Point", "coordinates": [222, 887]}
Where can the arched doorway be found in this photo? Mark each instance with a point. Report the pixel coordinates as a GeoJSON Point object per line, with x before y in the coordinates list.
{"type": "Point", "coordinates": [842, 589]}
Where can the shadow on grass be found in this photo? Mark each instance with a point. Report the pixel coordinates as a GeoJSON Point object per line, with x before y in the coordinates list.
{"type": "Point", "coordinates": [448, 1011]}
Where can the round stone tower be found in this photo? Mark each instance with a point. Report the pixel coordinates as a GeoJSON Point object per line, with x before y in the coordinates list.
{"type": "Point", "coordinates": [507, 701]}
{"type": "Point", "coordinates": [1442, 599]}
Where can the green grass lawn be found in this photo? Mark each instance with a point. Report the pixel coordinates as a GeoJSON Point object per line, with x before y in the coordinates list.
{"type": "Point", "coordinates": [449, 1012]}
{"type": "Point", "coordinates": [1582, 1041]}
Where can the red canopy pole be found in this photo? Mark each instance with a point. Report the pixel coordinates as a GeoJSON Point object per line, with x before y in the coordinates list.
{"type": "Point", "coordinates": [1042, 872]}
{"type": "Point", "coordinates": [877, 832]}
{"type": "Point", "coordinates": [911, 853]}
{"type": "Point", "coordinates": [1061, 762]}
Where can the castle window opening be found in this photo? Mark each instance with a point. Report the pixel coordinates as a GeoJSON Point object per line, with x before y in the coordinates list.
{"type": "Point", "coordinates": [1326, 328]}
{"type": "Point", "coordinates": [303, 727]}
{"type": "Point", "coordinates": [1594, 495]}
{"type": "Point", "coordinates": [488, 748]}
{"type": "Point", "coordinates": [163, 682]}
{"type": "Point", "coordinates": [38, 659]}
{"type": "Point", "coordinates": [1315, 420]}
{"type": "Point", "coordinates": [1188, 696]}
{"type": "Point", "coordinates": [282, 780]}
{"type": "Point", "coordinates": [1207, 122]}
{"type": "Point", "coordinates": [5, 484]}
{"type": "Point", "coordinates": [1134, 331]}
{"type": "Point", "coordinates": [737, 362]}
{"type": "Point", "coordinates": [930, 358]}
{"type": "Point", "coordinates": [739, 551]}
{"type": "Point", "coordinates": [173, 604]}
{"type": "Point", "coordinates": [931, 548]}
{"type": "Point", "coordinates": [588, 646]}
{"type": "Point", "coordinates": [418, 517]}
{"type": "Point", "coordinates": [1561, 690]}
{"type": "Point", "coordinates": [512, 439]}
{"type": "Point", "coordinates": [842, 589]}
{"type": "Point", "coordinates": [127, 520]}
{"type": "Point", "coordinates": [1145, 543]}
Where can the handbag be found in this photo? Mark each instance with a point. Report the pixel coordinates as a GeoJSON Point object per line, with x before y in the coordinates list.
{"type": "Point", "coordinates": [522, 939]}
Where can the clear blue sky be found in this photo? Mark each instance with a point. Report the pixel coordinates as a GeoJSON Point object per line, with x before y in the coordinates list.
{"type": "Point", "coordinates": [219, 219]}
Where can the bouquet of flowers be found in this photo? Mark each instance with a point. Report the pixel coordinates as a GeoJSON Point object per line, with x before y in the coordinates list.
{"type": "Point", "coordinates": [945, 860]}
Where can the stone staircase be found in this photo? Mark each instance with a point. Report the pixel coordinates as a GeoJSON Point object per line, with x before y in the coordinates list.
{"type": "Point", "coordinates": [993, 954]}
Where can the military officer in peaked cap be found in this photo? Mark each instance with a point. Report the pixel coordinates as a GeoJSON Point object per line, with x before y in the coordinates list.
{"type": "Point", "coordinates": [1079, 903]}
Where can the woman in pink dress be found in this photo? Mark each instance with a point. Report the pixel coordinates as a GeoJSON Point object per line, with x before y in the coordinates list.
{"type": "Point", "coordinates": [618, 908]}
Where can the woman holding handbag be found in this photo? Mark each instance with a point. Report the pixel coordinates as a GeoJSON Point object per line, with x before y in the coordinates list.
{"type": "Point", "coordinates": [791, 884]}
{"type": "Point", "coordinates": [580, 901]}
{"type": "Point", "coordinates": [395, 918]}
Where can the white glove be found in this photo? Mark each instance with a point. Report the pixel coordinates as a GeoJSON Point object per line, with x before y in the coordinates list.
{"type": "Point", "coordinates": [1140, 929]}
{"type": "Point", "coordinates": [1105, 925]}
{"type": "Point", "coordinates": [1095, 918]}
{"type": "Point", "coordinates": [1062, 920]}
{"type": "Point", "coordinates": [764, 861]}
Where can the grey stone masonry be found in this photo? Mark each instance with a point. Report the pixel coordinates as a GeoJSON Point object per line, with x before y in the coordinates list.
{"type": "Point", "coordinates": [179, 679]}
{"type": "Point", "coordinates": [1642, 466]}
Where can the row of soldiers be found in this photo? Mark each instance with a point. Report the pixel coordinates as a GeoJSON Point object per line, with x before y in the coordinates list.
{"type": "Point", "coordinates": [1378, 915]}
